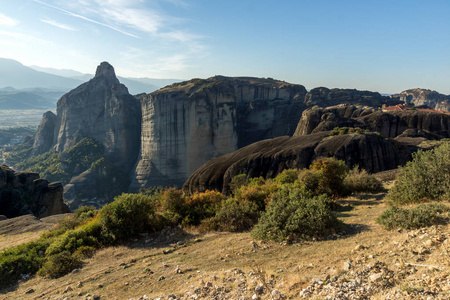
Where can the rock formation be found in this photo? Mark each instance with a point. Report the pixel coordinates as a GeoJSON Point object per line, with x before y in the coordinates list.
{"type": "Point", "coordinates": [101, 109]}
{"type": "Point", "coordinates": [312, 139]}
{"type": "Point", "coordinates": [270, 157]}
{"type": "Point", "coordinates": [419, 97]}
{"type": "Point", "coordinates": [324, 97]}
{"type": "Point", "coordinates": [182, 126]}
{"type": "Point", "coordinates": [24, 193]}
{"type": "Point", "coordinates": [43, 140]}
{"type": "Point", "coordinates": [390, 124]}
{"type": "Point", "coordinates": [189, 123]}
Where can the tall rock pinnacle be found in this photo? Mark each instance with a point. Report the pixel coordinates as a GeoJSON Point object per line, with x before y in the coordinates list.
{"type": "Point", "coordinates": [106, 71]}
{"type": "Point", "coordinates": [101, 109]}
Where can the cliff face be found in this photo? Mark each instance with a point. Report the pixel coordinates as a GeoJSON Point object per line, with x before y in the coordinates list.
{"type": "Point", "coordinates": [24, 193]}
{"type": "Point", "coordinates": [43, 140]}
{"type": "Point", "coordinates": [101, 109]}
{"type": "Point", "coordinates": [270, 157]}
{"type": "Point", "coordinates": [324, 97]}
{"type": "Point", "coordinates": [429, 98]}
{"type": "Point", "coordinates": [189, 123]}
{"type": "Point", "coordinates": [389, 124]}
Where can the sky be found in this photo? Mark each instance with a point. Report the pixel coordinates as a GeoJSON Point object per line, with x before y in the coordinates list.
{"type": "Point", "coordinates": [386, 45]}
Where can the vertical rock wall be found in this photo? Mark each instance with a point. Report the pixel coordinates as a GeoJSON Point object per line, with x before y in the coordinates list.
{"type": "Point", "coordinates": [101, 109]}
{"type": "Point", "coordinates": [190, 123]}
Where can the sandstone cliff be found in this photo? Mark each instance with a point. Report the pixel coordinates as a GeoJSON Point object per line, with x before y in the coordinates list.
{"type": "Point", "coordinates": [24, 193]}
{"type": "Point", "coordinates": [429, 98]}
{"type": "Point", "coordinates": [189, 123]}
{"type": "Point", "coordinates": [101, 109]}
{"type": "Point", "coordinates": [389, 124]}
{"type": "Point", "coordinates": [270, 157]}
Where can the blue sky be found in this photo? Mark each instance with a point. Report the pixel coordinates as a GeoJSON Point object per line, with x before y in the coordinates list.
{"type": "Point", "coordinates": [386, 46]}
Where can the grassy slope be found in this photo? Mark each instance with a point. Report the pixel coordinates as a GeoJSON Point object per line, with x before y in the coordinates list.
{"type": "Point", "coordinates": [118, 272]}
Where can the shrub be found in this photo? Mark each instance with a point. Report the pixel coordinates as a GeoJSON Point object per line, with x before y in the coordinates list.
{"type": "Point", "coordinates": [71, 240]}
{"type": "Point", "coordinates": [258, 194]}
{"type": "Point", "coordinates": [236, 216]}
{"type": "Point", "coordinates": [202, 205]}
{"type": "Point", "coordinates": [80, 216]}
{"type": "Point", "coordinates": [60, 264]}
{"type": "Point", "coordinates": [346, 130]}
{"type": "Point", "coordinates": [287, 176]}
{"type": "Point", "coordinates": [127, 216]}
{"type": "Point", "coordinates": [426, 177]}
{"type": "Point", "coordinates": [359, 181]}
{"type": "Point", "coordinates": [420, 216]}
{"type": "Point", "coordinates": [295, 213]}
{"type": "Point", "coordinates": [24, 259]}
{"type": "Point", "coordinates": [238, 181]}
{"type": "Point", "coordinates": [325, 176]}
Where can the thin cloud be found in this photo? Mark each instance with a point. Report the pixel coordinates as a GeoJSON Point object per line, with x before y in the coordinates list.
{"type": "Point", "coordinates": [7, 21]}
{"type": "Point", "coordinates": [173, 46]}
{"type": "Point", "coordinates": [87, 19]}
{"type": "Point", "coordinates": [59, 25]}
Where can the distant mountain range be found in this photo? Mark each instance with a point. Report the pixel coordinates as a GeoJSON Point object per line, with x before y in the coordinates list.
{"type": "Point", "coordinates": [35, 87]}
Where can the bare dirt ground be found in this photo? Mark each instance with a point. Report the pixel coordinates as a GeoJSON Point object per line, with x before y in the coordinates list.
{"type": "Point", "coordinates": [367, 262]}
{"type": "Point", "coordinates": [24, 229]}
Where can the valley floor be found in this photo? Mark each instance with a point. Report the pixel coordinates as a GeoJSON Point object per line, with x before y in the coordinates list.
{"type": "Point", "coordinates": [366, 263]}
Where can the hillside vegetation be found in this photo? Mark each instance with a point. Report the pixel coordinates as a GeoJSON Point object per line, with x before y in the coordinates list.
{"type": "Point", "coordinates": [88, 154]}
{"type": "Point", "coordinates": [62, 166]}
{"type": "Point", "coordinates": [295, 207]}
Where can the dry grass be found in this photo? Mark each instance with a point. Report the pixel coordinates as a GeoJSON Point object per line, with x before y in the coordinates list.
{"type": "Point", "coordinates": [122, 272]}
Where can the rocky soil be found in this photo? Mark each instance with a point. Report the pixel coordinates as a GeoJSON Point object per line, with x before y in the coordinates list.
{"type": "Point", "coordinates": [365, 262]}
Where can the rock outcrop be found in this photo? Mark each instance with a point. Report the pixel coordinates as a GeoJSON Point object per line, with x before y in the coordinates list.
{"type": "Point", "coordinates": [43, 140]}
{"type": "Point", "coordinates": [432, 125]}
{"type": "Point", "coordinates": [424, 97]}
{"type": "Point", "coordinates": [163, 139]}
{"type": "Point", "coordinates": [24, 193]}
{"type": "Point", "coordinates": [324, 97]}
{"type": "Point", "coordinates": [189, 123]}
{"type": "Point", "coordinates": [101, 109]}
{"type": "Point", "coordinates": [270, 157]}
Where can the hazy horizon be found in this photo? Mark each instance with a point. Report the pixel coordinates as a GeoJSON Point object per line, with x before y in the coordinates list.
{"type": "Point", "coordinates": [381, 46]}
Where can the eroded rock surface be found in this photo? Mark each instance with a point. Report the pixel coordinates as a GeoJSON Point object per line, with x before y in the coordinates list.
{"type": "Point", "coordinates": [429, 98]}
{"type": "Point", "coordinates": [189, 123]}
{"type": "Point", "coordinates": [43, 140]}
{"type": "Point", "coordinates": [390, 124]}
{"type": "Point", "coordinates": [101, 109]}
{"type": "Point", "coordinates": [270, 157]}
{"type": "Point", "coordinates": [24, 193]}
